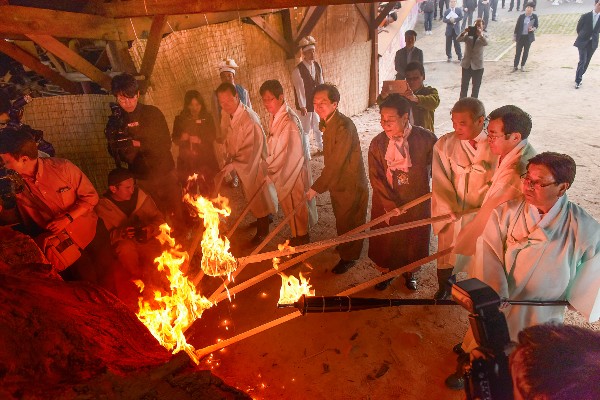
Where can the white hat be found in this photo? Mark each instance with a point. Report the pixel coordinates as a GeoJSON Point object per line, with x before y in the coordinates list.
{"type": "Point", "coordinates": [228, 65]}
{"type": "Point", "coordinates": [307, 43]}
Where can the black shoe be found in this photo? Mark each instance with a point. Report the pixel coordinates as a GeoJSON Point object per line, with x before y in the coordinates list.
{"type": "Point", "coordinates": [383, 285]}
{"type": "Point", "coordinates": [510, 10]}
{"type": "Point", "coordinates": [255, 241]}
{"type": "Point", "coordinates": [410, 280]}
{"type": "Point", "coordinates": [455, 382]}
{"type": "Point", "coordinates": [457, 349]}
{"type": "Point", "coordinates": [343, 266]}
{"type": "Point", "coordinates": [445, 282]}
{"type": "Point", "coordinates": [578, 85]}
{"type": "Point", "coordinates": [300, 240]}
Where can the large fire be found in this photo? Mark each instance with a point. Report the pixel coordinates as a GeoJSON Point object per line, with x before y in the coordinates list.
{"type": "Point", "coordinates": [168, 316]}
{"type": "Point", "coordinates": [293, 288]}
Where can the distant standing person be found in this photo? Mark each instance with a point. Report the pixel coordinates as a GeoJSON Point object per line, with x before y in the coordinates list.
{"type": "Point", "coordinates": [483, 11]}
{"type": "Point", "coordinates": [452, 18]}
{"type": "Point", "coordinates": [307, 75]}
{"type": "Point", "coordinates": [428, 8]}
{"type": "Point", "coordinates": [442, 3]}
{"type": "Point", "coordinates": [524, 35]}
{"type": "Point", "coordinates": [588, 28]}
{"type": "Point", "coordinates": [472, 64]}
{"type": "Point", "coordinates": [343, 173]}
{"type": "Point", "coordinates": [407, 54]}
{"type": "Point", "coordinates": [469, 7]}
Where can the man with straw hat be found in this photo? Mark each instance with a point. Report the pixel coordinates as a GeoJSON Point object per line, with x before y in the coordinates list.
{"type": "Point", "coordinates": [306, 76]}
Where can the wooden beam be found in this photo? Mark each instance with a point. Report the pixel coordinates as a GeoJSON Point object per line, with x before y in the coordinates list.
{"type": "Point", "coordinates": [288, 27]}
{"type": "Point", "coordinates": [73, 59]}
{"type": "Point", "coordinates": [272, 33]}
{"type": "Point", "coordinates": [309, 22]}
{"type": "Point", "coordinates": [386, 10]}
{"type": "Point", "coordinates": [374, 71]}
{"type": "Point", "coordinates": [16, 20]}
{"type": "Point", "coordinates": [33, 63]}
{"type": "Point", "coordinates": [140, 8]}
{"type": "Point", "coordinates": [151, 51]}
{"type": "Point", "coordinates": [119, 57]}
{"type": "Point", "coordinates": [363, 14]}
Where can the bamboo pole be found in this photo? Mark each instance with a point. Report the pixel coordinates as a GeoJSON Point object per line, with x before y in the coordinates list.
{"type": "Point", "coordinates": [266, 241]}
{"type": "Point", "coordinates": [345, 239]}
{"type": "Point", "coordinates": [196, 280]}
{"type": "Point", "coordinates": [304, 256]}
{"type": "Point", "coordinates": [392, 274]}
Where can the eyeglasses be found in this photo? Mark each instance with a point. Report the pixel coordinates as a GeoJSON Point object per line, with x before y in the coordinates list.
{"type": "Point", "coordinates": [493, 138]}
{"type": "Point", "coordinates": [537, 185]}
{"type": "Point", "coordinates": [125, 99]}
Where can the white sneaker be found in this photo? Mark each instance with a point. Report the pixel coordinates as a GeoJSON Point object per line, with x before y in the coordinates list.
{"type": "Point", "coordinates": [555, 3]}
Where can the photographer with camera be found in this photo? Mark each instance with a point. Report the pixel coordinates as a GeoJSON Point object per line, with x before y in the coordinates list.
{"type": "Point", "coordinates": [139, 137]}
{"type": "Point", "coordinates": [472, 64]}
{"type": "Point", "coordinates": [132, 220]}
{"type": "Point", "coordinates": [55, 203]}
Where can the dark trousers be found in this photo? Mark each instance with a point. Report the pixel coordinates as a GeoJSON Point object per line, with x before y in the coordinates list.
{"type": "Point", "coordinates": [350, 212]}
{"type": "Point", "coordinates": [585, 55]}
{"type": "Point", "coordinates": [468, 16]}
{"type": "Point", "coordinates": [523, 44]}
{"type": "Point", "coordinates": [467, 75]}
{"type": "Point", "coordinates": [442, 2]}
{"type": "Point", "coordinates": [503, 3]}
{"type": "Point", "coordinates": [428, 20]}
{"type": "Point", "coordinates": [494, 7]}
{"type": "Point", "coordinates": [484, 10]}
{"type": "Point", "coordinates": [512, 4]}
{"type": "Point", "coordinates": [449, 41]}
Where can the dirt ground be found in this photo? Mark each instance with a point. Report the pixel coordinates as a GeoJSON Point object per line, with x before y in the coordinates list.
{"type": "Point", "coordinates": [403, 352]}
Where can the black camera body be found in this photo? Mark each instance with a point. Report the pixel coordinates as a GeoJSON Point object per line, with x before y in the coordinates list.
{"type": "Point", "coordinates": [472, 31]}
{"type": "Point", "coordinates": [488, 375]}
{"type": "Point", "coordinates": [11, 184]}
{"type": "Point", "coordinates": [120, 142]}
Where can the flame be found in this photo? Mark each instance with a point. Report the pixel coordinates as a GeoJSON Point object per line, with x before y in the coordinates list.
{"type": "Point", "coordinates": [217, 260]}
{"type": "Point", "coordinates": [293, 288]}
{"type": "Point", "coordinates": [280, 247]}
{"type": "Point", "coordinates": [169, 315]}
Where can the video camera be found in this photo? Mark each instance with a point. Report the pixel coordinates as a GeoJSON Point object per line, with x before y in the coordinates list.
{"type": "Point", "coordinates": [120, 142]}
{"type": "Point", "coordinates": [11, 184]}
{"type": "Point", "coordinates": [15, 114]}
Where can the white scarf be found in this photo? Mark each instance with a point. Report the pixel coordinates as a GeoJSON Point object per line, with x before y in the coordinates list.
{"type": "Point", "coordinates": [397, 154]}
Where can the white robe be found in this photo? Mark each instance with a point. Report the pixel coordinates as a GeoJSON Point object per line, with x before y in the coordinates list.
{"type": "Point", "coordinates": [556, 257]}
{"type": "Point", "coordinates": [506, 185]}
{"type": "Point", "coordinates": [461, 177]}
{"type": "Point", "coordinates": [288, 168]}
{"type": "Point", "coordinates": [247, 150]}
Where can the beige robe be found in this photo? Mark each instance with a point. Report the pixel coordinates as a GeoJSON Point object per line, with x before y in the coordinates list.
{"type": "Point", "coordinates": [461, 177]}
{"type": "Point", "coordinates": [247, 151]}
{"type": "Point", "coordinates": [525, 256]}
{"type": "Point", "coordinates": [289, 170]}
{"type": "Point", "coordinates": [506, 185]}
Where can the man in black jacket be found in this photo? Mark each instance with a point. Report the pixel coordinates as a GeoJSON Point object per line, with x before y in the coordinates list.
{"type": "Point", "coordinates": [148, 156]}
{"type": "Point", "coordinates": [588, 28]}
{"type": "Point", "coordinates": [524, 35]}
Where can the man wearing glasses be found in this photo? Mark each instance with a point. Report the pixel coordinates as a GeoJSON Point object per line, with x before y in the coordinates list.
{"type": "Point", "coordinates": [148, 157]}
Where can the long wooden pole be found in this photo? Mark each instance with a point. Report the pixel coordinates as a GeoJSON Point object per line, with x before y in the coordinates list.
{"type": "Point", "coordinates": [345, 239]}
{"type": "Point", "coordinates": [304, 256]}
{"type": "Point", "coordinates": [392, 274]}
{"type": "Point", "coordinates": [266, 241]}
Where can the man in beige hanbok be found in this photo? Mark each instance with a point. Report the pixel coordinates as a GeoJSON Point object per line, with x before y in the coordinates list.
{"type": "Point", "coordinates": [246, 155]}
{"type": "Point", "coordinates": [508, 132]}
{"type": "Point", "coordinates": [288, 162]}
{"type": "Point", "coordinates": [462, 170]}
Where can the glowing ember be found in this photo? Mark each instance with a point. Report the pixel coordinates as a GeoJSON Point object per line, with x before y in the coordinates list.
{"type": "Point", "coordinates": [216, 257]}
{"type": "Point", "coordinates": [168, 315]}
{"type": "Point", "coordinates": [293, 288]}
{"type": "Point", "coordinates": [281, 247]}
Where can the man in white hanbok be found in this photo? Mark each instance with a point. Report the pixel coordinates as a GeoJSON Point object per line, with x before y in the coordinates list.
{"type": "Point", "coordinates": [246, 153]}
{"type": "Point", "coordinates": [462, 170]}
{"type": "Point", "coordinates": [541, 247]}
{"type": "Point", "coordinates": [507, 132]}
{"type": "Point", "coordinates": [288, 162]}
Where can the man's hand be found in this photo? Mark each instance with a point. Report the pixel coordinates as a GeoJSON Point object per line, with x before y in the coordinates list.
{"type": "Point", "coordinates": [410, 96]}
{"type": "Point", "coordinates": [136, 143]}
{"type": "Point", "coordinates": [466, 9]}
{"type": "Point", "coordinates": [452, 20]}
{"type": "Point", "coordinates": [310, 194]}
{"type": "Point", "coordinates": [58, 224]}
{"type": "Point", "coordinates": [303, 111]}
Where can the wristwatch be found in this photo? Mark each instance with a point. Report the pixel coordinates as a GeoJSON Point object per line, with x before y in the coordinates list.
{"type": "Point", "coordinates": [69, 217]}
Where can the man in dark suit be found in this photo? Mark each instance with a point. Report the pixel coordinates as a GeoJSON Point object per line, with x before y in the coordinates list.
{"type": "Point", "coordinates": [452, 18]}
{"type": "Point", "coordinates": [524, 35]}
{"type": "Point", "coordinates": [588, 28]}
{"type": "Point", "coordinates": [343, 174]}
{"type": "Point", "coordinates": [407, 54]}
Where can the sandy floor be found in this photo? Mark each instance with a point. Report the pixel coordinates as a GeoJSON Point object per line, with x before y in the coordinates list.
{"type": "Point", "coordinates": [401, 352]}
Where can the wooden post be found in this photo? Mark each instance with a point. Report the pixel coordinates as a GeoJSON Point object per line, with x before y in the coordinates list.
{"type": "Point", "coordinates": [374, 76]}
{"type": "Point", "coordinates": [151, 51]}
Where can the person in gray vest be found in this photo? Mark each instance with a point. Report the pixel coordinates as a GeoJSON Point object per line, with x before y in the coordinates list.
{"type": "Point", "coordinates": [307, 75]}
